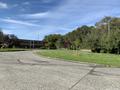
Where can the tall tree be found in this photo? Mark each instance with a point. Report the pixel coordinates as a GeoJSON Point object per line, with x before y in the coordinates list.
{"type": "Point", "coordinates": [1, 36]}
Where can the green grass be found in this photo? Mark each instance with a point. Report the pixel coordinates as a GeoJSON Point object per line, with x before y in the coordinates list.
{"type": "Point", "coordinates": [99, 58]}
{"type": "Point", "coordinates": [12, 49]}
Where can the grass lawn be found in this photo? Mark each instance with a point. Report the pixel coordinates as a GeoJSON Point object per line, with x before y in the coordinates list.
{"type": "Point", "coordinates": [12, 49]}
{"type": "Point", "coordinates": [82, 56]}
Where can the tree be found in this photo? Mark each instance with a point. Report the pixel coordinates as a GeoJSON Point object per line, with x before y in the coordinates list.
{"type": "Point", "coordinates": [109, 28]}
{"type": "Point", "coordinates": [51, 40]}
{"type": "Point", "coordinates": [1, 36]}
{"type": "Point", "coordinates": [60, 43]}
{"type": "Point", "coordinates": [77, 44]}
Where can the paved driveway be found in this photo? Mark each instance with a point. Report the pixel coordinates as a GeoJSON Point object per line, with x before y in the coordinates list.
{"type": "Point", "coordinates": [27, 71]}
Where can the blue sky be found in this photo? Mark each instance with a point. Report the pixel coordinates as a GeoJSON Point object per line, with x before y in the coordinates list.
{"type": "Point", "coordinates": [33, 19]}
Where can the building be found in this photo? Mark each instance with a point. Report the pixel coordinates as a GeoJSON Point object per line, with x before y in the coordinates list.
{"type": "Point", "coordinates": [23, 43]}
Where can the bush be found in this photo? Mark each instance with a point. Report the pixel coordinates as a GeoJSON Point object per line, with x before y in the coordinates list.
{"type": "Point", "coordinates": [96, 50]}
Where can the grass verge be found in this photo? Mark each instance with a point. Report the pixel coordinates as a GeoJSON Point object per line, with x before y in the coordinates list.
{"type": "Point", "coordinates": [99, 58]}
{"type": "Point", "coordinates": [12, 49]}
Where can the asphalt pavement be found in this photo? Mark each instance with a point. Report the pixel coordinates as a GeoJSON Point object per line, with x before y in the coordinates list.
{"type": "Point", "coordinates": [27, 71]}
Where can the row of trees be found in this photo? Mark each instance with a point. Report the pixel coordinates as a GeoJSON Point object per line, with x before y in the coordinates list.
{"type": "Point", "coordinates": [108, 31]}
{"type": "Point", "coordinates": [79, 38]}
{"type": "Point", "coordinates": [103, 37]}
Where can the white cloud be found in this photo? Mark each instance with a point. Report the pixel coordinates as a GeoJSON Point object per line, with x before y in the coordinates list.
{"type": "Point", "coordinates": [3, 5]}
{"type": "Point", "coordinates": [18, 22]}
{"type": "Point", "coordinates": [36, 15]}
{"type": "Point", "coordinates": [7, 31]}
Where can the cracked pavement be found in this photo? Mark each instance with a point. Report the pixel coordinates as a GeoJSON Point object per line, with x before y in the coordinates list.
{"type": "Point", "coordinates": [26, 71]}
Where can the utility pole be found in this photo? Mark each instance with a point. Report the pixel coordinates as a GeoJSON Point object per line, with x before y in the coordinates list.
{"type": "Point", "coordinates": [30, 44]}
{"type": "Point", "coordinates": [38, 35]}
{"type": "Point", "coordinates": [108, 36]}
{"type": "Point", "coordinates": [109, 28]}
